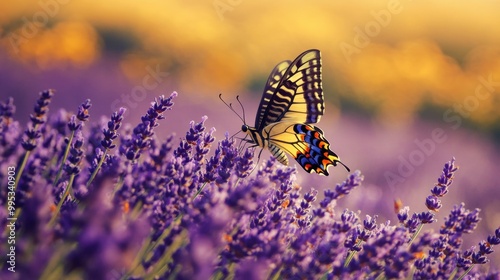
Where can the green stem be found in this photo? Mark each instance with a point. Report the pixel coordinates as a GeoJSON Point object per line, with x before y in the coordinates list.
{"type": "Point", "coordinates": [178, 242]}
{"type": "Point", "coordinates": [148, 247]}
{"type": "Point", "coordinates": [453, 273]}
{"type": "Point", "coordinates": [199, 191]}
{"type": "Point", "coordinates": [92, 177]}
{"type": "Point", "coordinates": [21, 169]}
{"type": "Point", "coordinates": [59, 205]}
{"type": "Point", "coordinates": [54, 268]}
{"type": "Point", "coordinates": [276, 275]}
{"type": "Point", "coordinates": [466, 272]}
{"type": "Point", "coordinates": [175, 271]}
{"type": "Point", "coordinates": [136, 211]}
{"type": "Point", "coordinates": [351, 254]}
{"type": "Point", "coordinates": [137, 261]}
{"type": "Point", "coordinates": [380, 276]}
{"type": "Point", "coordinates": [66, 152]}
{"type": "Point", "coordinates": [415, 234]}
{"type": "Point", "coordinates": [349, 258]}
{"type": "Point", "coordinates": [118, 186]}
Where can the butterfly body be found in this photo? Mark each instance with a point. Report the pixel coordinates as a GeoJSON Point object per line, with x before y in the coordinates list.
{"type": "Point", "coordinates": [291, 103]}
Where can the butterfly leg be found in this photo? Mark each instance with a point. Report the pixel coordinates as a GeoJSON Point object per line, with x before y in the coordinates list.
{"type": "Point", "coordinates": [258, 159]}
{"type": "Point", "coordinates": [246, 141]}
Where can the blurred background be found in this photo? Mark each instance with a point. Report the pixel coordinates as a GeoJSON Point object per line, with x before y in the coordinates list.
{"type": "Point", "coordinates": [408, 84]}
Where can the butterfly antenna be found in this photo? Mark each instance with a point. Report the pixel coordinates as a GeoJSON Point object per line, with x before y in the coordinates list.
{"type": "Point", "coordinates": [231, 107]}
{"type": "Point", "coordinates": [242, 108]}
{"type": "Point", "coordinates": [345, 166]}
{"type": "Point", "coordinates": [234, 134]}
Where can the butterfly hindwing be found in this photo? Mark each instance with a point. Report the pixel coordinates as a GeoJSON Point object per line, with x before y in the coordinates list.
{"type": "Point", "coordinates": [305, 143]}
{"type": "Point", "coordinates": [298, 96]}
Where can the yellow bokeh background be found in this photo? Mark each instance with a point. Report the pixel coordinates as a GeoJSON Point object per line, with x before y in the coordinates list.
{"type": "Point", "coordinates": [413, 53]}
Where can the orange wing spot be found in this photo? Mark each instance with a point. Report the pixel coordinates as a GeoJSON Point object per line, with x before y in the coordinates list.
{"type": "Point", "coordinates": [326, 161]}
{"type": "Point", "coordinates": [319, 170]}
{"type": "Point", "coordinates": [302, 137]}
{"type": "Point", "coordinates": [322, 144]}
{"type": "Point", "coordinates": [306, 152]}
{"type": "Point", "coordinates": [316, 134]}
{"type": "Point", "coordinates": [307, 166]}
{"type": "Point", "coordinates": [326, 154]}
{"type": "Point", "coordinates": [308, 127]}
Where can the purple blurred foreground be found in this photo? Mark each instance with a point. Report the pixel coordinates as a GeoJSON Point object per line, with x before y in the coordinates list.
{"type": "Point", "coordinates": [105, 198]}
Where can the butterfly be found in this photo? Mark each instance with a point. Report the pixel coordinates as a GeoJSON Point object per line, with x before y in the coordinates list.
{"type": "Point", "coordinates": [292, 101]}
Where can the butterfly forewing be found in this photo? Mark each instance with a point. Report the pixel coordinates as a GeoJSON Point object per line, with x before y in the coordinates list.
{"type": "Point", "coordinates": [276, 76]}
{"type": "Point", "coordinates": [298, 96]}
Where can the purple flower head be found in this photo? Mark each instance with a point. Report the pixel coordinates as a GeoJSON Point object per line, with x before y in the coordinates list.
{"type": "Point", "coordinates": [446, 178]}
{"type": "Point", "coordinates": [485, 248]}
{"type": "Point", "coordinates": [403, 214]}
{"type": "Point", "coordinates": [345, 188]}
{"type": "Point", "coordinates": [433, 203]}
{"type": "Point", "coordinates": [41, 107]}
{"type": "Point", "coordinates": [144, 131]}
{"type": "Point", "coordinates": [494, 239]}
{"type": "Point", "coordinates": [7, 109]}
{"type": "Point", "coordinates": [470, 221]}
{"type": "Point", "coordinates": [9, 129]}
{"type": "Point", "coordinates": [370, 223]}
{"type": "Point", "coordinates": [244, 163]}
{"type": "Point", "coordinates": [37, 118]}
{"type": "Point", "coordinates": [229, 155]}
{"type": "Point", "coordinates": [73, 125]}
{"type": "Point", "coordinates": [83, 111]}
{"type": "Point", "coordinates": [413, 223]}
{"type": "Point", "coordinates": [197, 142]}
{"type": "Point", "coordinates": [348, 220]}
{"type": "Point", "coordinates": [196, 131]}
{"type": "Point", "coordinates": [75, 155]}
{"type": "Point", "coordinates": [426, 217]}
{"type": "Point", "coordinates": [110, 133]}
{"type": "Point", "coordinates": [478, 258]}
{"type": "Point", "coordinates": [464, 259]}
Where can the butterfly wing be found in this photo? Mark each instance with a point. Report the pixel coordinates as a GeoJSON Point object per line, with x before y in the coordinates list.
{"type": "Point", "coordinates": [276, 76]}
{"type": "Point", "coordinates": [297, 97]}
{"type": "Point", "coordinates": [305, 143]}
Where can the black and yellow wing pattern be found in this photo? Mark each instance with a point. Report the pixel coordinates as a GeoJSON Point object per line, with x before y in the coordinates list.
{"type": "Point", "coordinates": [291, 102]}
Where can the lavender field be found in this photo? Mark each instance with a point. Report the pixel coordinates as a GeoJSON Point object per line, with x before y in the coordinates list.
{"type": "Point", "coordinates": [118, 160]}
{"type": "Point", "coordinates": [106, 200]}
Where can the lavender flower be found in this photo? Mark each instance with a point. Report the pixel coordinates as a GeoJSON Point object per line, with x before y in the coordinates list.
{"type": "Point", "coordinates": [75, 156]}
{"type": "Point", "coordinates": [38, 118]}
{"type": "Point", "coordinates": [7, 109]}
{"type": "Point", "coordinates": [144, 131]}
{"type": "Point", "coordinates": [83, 111]}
